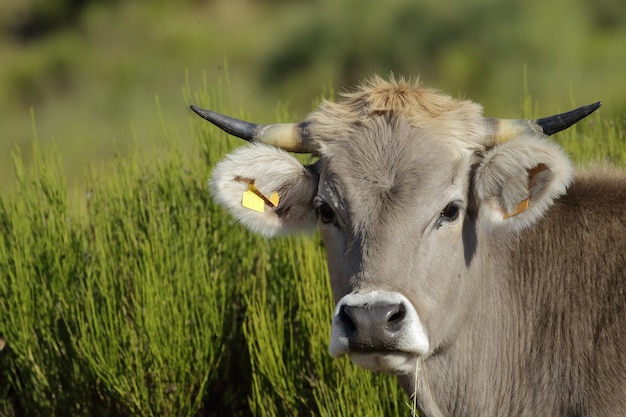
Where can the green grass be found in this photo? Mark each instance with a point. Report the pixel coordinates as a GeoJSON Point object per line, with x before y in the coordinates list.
{"type": "Point", "coordinates": [119, 310]}
{"type": "Point", "coordinates": [137, 296]}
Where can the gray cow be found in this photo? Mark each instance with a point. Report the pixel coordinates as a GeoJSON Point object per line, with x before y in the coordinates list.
{"type": "Point", "coordinates": [466, 255]}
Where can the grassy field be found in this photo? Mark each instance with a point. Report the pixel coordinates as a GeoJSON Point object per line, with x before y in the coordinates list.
{"type": "Point", "coordinates": [142, 298]}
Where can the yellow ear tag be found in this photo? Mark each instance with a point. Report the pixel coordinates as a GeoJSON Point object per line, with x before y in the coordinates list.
{"type": "Point", "coordinates": [520, 208]}
{"type": "Point", "coordinates": [254, 199]}
{"type": "Point", "coordinates": [274, 199]}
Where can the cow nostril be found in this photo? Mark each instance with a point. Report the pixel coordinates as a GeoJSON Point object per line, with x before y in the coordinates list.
{"type": "Point", "coordinates": [397, 314]}
{"type": "Point", "coordinates": [346, 320]}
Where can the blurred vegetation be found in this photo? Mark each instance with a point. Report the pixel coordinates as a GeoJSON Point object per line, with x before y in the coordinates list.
{"type": "Point", "coordinates": [90, 70]}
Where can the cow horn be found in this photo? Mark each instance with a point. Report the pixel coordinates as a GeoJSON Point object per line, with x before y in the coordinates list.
{"type": "Point", "coordinates": [503, 130]}
{"type": "Point", "coordinates": [288, 136]}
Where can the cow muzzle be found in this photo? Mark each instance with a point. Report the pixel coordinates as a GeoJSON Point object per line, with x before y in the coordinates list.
{"type": "Point", "coordinates": [379, 331]}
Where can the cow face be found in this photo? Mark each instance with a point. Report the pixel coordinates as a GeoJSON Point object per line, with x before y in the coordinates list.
{"type": "Point", "coordinates": [393, 221]}
{"type": "Point", "coordinates": [406, 180]}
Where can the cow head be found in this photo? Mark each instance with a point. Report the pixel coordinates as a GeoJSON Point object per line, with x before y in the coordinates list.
{"type": "Point", "coordinates": [405, 179]}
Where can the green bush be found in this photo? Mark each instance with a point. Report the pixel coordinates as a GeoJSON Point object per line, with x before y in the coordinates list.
{"type": "Point", "coordinates": [123, 304]}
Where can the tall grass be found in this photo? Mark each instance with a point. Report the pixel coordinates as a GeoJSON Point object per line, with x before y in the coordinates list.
{"type": "Point", "coordinates": [124, 304]}
{"type": "Point", "coordinates": [145, 299]}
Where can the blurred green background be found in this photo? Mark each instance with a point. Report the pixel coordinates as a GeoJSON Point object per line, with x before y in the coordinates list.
{"type": "Point", "coordinates": [90, 70]}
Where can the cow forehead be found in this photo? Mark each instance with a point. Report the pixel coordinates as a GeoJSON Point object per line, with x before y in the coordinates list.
{"type": "Point", "coordinates": [457, 122]}
{"type": "Point", "coordinates": [389, 171]}
{"type": "Point", "coordinates": [391, 142]}
{"type": "Point", "coordinates": [383, 154]}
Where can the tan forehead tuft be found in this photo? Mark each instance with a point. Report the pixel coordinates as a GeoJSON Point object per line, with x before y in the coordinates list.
{"type": "Point", "coordinates": [400, 96]}
{"type": "Point", "coordinates": [420, 106]}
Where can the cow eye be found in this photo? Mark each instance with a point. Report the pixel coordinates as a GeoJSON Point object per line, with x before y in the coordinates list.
{"type": "Point", "coordinates": [450, 212]}
{"type": "Point", "coordinates": [325, 213]}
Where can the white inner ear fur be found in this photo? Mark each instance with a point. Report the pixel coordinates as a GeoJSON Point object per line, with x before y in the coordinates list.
{"type": "Point", "coordinates": [524, 168]}
{"type": "Point", "coordinates": [270, 168]}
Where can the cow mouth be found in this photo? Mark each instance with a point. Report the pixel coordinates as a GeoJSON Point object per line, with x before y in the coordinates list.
{"type": "Point", "coordinates": [386, 362]}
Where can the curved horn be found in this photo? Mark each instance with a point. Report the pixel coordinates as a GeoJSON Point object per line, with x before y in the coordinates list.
{"type": "Point", "coordinates": [503, 130]}
{"type": "Point", "coordinates": [552, 124]}
{"type": "Point", "coordinates": [291, 137]}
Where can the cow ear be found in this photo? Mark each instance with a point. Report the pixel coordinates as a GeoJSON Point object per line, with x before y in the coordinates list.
{"type": "Point", "coordinates": [516, 182]}
{"type": "Point", "coordinates": [266, 189]}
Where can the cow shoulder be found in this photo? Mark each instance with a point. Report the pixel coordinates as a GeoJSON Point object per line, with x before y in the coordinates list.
{"type": "Point", "coordinates": [266, 189]}
{"type": "Point", "coordinates": [516, 182]}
